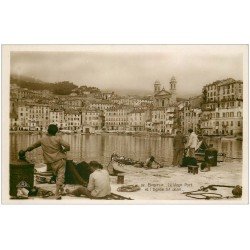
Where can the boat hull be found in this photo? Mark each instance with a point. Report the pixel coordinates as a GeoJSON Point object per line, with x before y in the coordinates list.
{"type": "Point", "coordinates": [118, 168]}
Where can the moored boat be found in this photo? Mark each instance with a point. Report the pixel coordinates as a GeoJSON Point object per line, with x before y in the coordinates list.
{"type": "Point", "coordinates": [117, 168]}
{"type": "Point", "coordinates": [121, 164]}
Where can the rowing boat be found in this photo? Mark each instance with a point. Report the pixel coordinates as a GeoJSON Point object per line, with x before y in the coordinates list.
{"type": "Point", "coordinates": [118, 168]}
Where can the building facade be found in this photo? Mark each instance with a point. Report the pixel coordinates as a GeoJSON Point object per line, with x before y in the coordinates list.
{"type": "Point", "coordinates": [72, 119]}
{"type": "Point", "coordinates": [222, 108]}
{"type": "Point", "coordinates": [137, 120]}
{"type": "Point", "coordinates": [116, 119]}
{"type": "Point", "coordinates": [93, 118]}
{"type": "Point", "coordinates": [57, 117]}
{"type": "Point", "coordinates": [163, 120]}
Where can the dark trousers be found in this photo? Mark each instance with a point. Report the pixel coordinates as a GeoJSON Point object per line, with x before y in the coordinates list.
{"type": "Point", "coordinates": [178, 155]}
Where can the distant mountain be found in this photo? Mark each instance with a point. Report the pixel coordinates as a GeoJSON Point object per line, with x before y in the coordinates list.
{"type": "Point", "coordinates": [58, 88]}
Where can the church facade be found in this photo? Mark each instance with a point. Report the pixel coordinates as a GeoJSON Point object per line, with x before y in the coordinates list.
{"type": "Point", "coordinates": [162, 97]}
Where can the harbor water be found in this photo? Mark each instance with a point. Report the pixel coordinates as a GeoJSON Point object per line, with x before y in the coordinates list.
{"type": "Point", "coordinates": [100, 147]}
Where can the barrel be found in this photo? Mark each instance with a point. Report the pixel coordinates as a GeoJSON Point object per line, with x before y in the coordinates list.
{"type": "Point", "coordinates": [211, 155]}
{"type": "Point", "coordinates": [21, 173]}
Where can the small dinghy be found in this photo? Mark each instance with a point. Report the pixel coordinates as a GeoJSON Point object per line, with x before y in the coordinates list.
{"type": "Point", "coordinates": [118, 168]}
{"type": "Point", "coordinates": [121, 164]}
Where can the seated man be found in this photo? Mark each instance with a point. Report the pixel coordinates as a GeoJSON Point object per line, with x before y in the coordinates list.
{"type": "Point", "coordinates": [99, 183]}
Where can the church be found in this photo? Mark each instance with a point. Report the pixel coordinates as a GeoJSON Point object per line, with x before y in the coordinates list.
{"type": "Point", "coordinates": [162, 97]}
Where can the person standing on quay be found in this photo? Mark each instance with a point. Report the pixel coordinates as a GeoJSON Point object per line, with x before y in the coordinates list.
{"type": "Point", "coordinates": [192, 143]}
{"type": "Point", "coordinates": [179, 147]}
{"type": "Point", "coordinates": [54, 153]}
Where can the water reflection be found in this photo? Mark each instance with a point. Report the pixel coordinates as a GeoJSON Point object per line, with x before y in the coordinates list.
{"type": "Point", "coordinates": [100, 147]}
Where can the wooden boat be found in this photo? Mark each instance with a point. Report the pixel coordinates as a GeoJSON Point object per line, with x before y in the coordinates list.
{"type": "Point", "coordinates": [118, 168]}
{"type": "Point", "coordinates": [120, 164]}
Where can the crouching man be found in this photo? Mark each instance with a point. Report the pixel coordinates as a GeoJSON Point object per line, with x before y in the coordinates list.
{"type": "Point", "coordinates": [99, 183]}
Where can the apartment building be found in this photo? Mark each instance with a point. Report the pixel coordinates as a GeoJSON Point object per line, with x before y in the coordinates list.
{"type": "Point", "coordinates": [72, 120]}
{"type": "Point", "coordinates": [222, 108]}
{"type": "Point", "coordinates": [117, 118]}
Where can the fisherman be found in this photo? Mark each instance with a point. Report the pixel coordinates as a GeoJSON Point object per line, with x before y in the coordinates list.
{"type": "Point", "coordinates": [179, 147]}
{"type": "Point", "coordinates": [192, 143]}
{"type": "Point", "coordinates": [54, 153]}
{"type": "Point", "coordinates": [98, 185]}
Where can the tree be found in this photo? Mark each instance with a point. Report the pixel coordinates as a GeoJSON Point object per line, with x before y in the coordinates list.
{"type": "Point", "coordinates": [63, 88]}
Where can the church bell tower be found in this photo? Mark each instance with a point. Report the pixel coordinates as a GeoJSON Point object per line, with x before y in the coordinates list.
{"type": "Point", "coordinates": [173, 83]}
{"type": "Point", "coordinates": [157, 87]}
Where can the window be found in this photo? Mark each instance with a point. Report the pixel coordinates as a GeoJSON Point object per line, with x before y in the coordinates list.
{"type": "Point", "coordinates": [232, 123]}
{"type": "Point", "coordinates": [239, 123]}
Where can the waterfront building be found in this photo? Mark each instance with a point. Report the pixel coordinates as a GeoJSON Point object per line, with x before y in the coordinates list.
{"type": "Point", "coordinates": [191, 119]}
{"type": "Point", "coordinates": [137, 119]}
{"type": "Point", "coordinates": [23, 116]}
{"type": "Point", "coordinates": [93, 118]}
{"type": "Point", "coordinates": [14, 124]}
{"type": "Point", "coordinates": [149, 125]}
{"type": "Point", "coordinates": [38, 116]}
{"type": "Point", "coordinates": [116, 118]}
{"type": "Point", "coordinates": [191, 115]}
{"type": "Point", "coordinates": [72, 120]}
{"type": "Point", "coordinates": [222, 108]}
{"type": "Point", "coordinates": [163, 120]}
{"type": "Point", "coordinates": [32, 116]}
{"type": "Point", "coordinates": [56, 116]}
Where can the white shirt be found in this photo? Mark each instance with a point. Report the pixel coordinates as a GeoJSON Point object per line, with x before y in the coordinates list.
{"type": "Point", "coordinates": [99, 183]}
{"type": "Point", "coordinates": [192, 140]}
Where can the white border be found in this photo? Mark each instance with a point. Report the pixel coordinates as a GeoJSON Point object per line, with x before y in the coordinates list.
{"type": "Point", "coordinates": [6, 49]}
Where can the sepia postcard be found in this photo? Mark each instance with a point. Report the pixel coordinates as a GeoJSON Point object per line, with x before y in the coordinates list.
{"type": "Point", "coordinates": [125, 124]}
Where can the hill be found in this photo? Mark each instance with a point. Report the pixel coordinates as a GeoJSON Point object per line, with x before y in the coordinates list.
{"type": "Point", "coordinates": [58, 88]}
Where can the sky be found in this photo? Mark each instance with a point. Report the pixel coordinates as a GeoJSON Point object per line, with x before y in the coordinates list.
{"type": "Point", "coordinates": [131, 68]}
